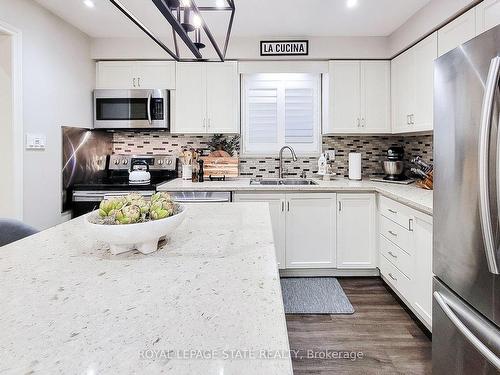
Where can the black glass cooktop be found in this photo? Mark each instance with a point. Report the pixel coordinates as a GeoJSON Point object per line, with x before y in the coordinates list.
{"type": "Point", "coordinates": [120, 183]}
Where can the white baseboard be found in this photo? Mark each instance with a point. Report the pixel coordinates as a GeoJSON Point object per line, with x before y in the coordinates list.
{"type": "Point", "coordinates": [309, 272]}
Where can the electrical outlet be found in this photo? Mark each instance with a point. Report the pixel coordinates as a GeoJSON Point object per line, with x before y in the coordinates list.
{"type": "Point", "coordinates": [331, 154]}
{"type": "Point", "coordinates": [35, 141]}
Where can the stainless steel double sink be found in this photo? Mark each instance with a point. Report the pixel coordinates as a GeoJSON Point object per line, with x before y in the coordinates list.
{"type": "Point", "coordinates": [282, 181]}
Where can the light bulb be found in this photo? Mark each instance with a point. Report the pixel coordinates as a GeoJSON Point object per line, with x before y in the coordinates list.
{"type": "Point", "coordinates": [89, 3]}
{"type": "Point", "coordinates": [196, 21]}
{"type": "Point", "coordinates": [352, 3]}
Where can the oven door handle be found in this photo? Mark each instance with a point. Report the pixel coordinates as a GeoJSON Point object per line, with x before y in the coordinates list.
{"type": "Point", "coordinates": [222, 200]}
{"type": "Point", "coordinates": [149, 107]}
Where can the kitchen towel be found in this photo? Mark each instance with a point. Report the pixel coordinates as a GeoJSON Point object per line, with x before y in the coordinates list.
{"type": "Point", "coordinates": [354, 166]}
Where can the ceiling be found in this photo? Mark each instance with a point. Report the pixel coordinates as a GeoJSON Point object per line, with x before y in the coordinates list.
{"type": "Point", "coordinates": [254, 18]}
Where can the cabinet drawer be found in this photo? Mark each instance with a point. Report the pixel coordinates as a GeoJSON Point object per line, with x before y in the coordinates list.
{"type": "Point", "coordinates": [398, 257]}
{"type": "Point", "coordinates": [395, 211]}
{"type": "Point", "coordinates": [395, 233]}
{"type": "Point", "coordinates": [395, 278]}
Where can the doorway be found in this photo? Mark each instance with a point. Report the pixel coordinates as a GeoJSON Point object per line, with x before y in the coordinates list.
{"type": "Point", "coordinates": [11, 132]}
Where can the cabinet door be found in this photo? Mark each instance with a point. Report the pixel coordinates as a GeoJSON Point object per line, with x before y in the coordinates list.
{"type": "Point", "coordinates": [190, 99]}
{"type": "Point", "coordinates": [310, 230]}
{"type": "Point", "coordinates": [487, 15]}
{"type": "Point", "coordinates": [375, 96]}
{"type": "Point", "coordinates": [222, 97]}
{"type": "Point", "coordinates": [156, 74]}
{"type": "Point", "coordinates": [116, 75]}
{"type": "Point", "coordinates": [345, 94]}
{"type": "Point", "coordinates": [277, 211]}
{"type": "Point", "coordinates": [403, 91]}
{"type": "Point", "coordinates": [425, 53]}
{"type": "Point", "coordinates": [356, 231]}
{"type": "Point", "coordinates": [422, 254]}
{"type": "Point", "coordinates": [457, 32]}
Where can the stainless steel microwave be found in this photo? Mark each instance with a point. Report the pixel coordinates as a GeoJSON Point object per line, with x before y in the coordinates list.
{"type": "Point", "coordinates": [131, 109]}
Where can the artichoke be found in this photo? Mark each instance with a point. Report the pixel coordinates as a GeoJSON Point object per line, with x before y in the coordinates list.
{"type": "Point", "coordinates": [128, 214]}
{"type": "Point", "coordinates": [161, 196]}
{"type": "Point", "coordinates": [108, 207]}
{"type": "Point", "coordinates": [161, 208]}
{"type": "Point", "coordinates": [133, 197]}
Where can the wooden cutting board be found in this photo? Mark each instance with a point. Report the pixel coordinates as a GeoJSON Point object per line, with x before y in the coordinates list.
{"type": "Point", "coordinates": [220, 166]}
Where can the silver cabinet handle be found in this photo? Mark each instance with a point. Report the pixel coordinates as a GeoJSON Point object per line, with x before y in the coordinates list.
{"type": "Point", "coordinates": [394, 234]}
{"type": "Point", "coordinates": [408, 121]}
{"type": "Point", "coordinates": [288, 206]}
{"type": "Point", "coordinates": [469, 336]}
{"type": "Point", "coordinates": [340, 206]}
{"type": "Point", "coordinates": [139, 81]}
{"type": "Point", "coordinates": [282, 206]}
{"type": "Point", "coordinates": [363, 122]}
{"type": "Point", "coordinates": [204, 123]}
{"type": "Point", "coordinates": [359, 123]}
{"type": "Point", "coordinates": [392, 255]}
{"type": "Point", "coordinates": [392, 211]}
{"type": "Point", "coordinates": [484, 153]}
{"type": "Point", "coordinates": [412, 121]}
{"type": "Point", "coordinates": [133, 81]}
{"type": "Point", "coordinates": [392, 277]}
{"type": "Point", "coordinates": [410, 225]}
{"type": "Point", "coordinates": [149, 107]}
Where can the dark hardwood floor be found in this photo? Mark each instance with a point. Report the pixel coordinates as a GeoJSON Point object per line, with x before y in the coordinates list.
{"type": "Point", "coordinates": [391, 342]}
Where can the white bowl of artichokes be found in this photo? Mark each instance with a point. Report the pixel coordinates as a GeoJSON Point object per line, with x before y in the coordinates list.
{"type": "Point", "coordinates": [133, 222]}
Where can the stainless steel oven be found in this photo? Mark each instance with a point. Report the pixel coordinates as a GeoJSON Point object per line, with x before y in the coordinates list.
{"type": "Point", "coordinates": [131, 109]}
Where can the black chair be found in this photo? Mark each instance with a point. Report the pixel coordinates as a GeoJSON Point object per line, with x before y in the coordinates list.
{"type": "Point", "coordinates": [13, 230]}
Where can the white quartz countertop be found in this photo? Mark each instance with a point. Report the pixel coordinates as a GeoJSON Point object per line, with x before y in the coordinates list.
{"type": "Point", "coordinates": [410, 195]}
{"type": "Point", "coordinates": [208, 302]}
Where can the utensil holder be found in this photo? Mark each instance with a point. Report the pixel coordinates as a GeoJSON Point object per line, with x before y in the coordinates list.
{"type": "Point", "coordinates": [187, 172]}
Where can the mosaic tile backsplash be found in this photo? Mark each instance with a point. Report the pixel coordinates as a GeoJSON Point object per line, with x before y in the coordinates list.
{"type": "Point", "coordinates": [372, 148]}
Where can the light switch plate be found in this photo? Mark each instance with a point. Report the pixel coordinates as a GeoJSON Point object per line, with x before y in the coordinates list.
{"type": "Point", "coordinates": [35, 141]}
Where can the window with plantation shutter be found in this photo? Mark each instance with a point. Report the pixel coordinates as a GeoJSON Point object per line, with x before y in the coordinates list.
{"type": "Point", "coordinates": [281, 109]}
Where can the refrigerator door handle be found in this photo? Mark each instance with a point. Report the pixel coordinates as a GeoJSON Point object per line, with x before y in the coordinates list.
{"type": "Point", "coordinates": [484, 152]}
{"type": "Point", "coordinates": [469, 336]}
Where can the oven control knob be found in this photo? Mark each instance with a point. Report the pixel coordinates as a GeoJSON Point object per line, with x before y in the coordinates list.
{"type": "Point", "coordinates": [169, 162]}
{"type": "Point", "coordinates": [160, 162]}
{"type": "Point", "coordinates": [125, 161]}
{"type": "Point", "coordinates": [117, 162]}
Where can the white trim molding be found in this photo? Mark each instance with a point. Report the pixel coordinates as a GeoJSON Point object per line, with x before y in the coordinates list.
{"type": "Point", "coordinates": [17, 114]}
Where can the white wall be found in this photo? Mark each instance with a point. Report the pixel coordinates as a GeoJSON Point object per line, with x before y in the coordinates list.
{"type": "Point", "coordinates": [434, 14]}
{"type": "Point", "coordinates": [58, 78]}
{"type": "Point", "coordinates": [7, 208]}
{"type": "Point", "coordinates": [245, 48]}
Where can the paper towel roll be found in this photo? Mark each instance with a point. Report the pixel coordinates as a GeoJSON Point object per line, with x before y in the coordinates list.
{"type": "Point", "coordinates": [354, 166]}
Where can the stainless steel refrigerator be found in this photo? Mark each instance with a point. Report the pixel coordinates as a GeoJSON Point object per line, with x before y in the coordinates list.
{"type": "Point", "coordinates": [466, 304]}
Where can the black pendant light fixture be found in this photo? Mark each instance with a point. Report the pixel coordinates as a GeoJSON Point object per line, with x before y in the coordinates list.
{"type": "Point", "coordinates": [187, 22]}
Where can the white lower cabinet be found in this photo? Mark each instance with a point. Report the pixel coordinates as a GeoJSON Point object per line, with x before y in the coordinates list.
{"type": "Point", "coordinates": [310, 230]}
{"type": "Point", "coordinates": [356, 231]}
{"type": "Point", "coordinates": [277, 211]}
{"type": "Point", "coordinates": [303, 227]}
{"type": "Point", "coordinates": [405, 243]}
{"type": "Point", "coordinates": [422, 242]}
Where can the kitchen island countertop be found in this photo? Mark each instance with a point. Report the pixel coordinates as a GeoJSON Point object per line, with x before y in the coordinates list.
{"type": "Point", "coordinates": [409, 195]}
{"type": "Point", "coordinates": [208, 302]}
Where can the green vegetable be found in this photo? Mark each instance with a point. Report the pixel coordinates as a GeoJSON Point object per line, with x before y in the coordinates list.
{"type": "Point", "coordinates": [108, 207]}
{"type": "Point", "coordinates": [128, 215]}
{"type": "Point", "coordinates": [160, 209]}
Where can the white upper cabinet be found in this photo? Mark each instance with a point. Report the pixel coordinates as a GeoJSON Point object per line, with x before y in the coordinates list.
{"type": "Point", "coordinates": [356, 231]}
{"type": "Point", "coordinates": [487, 15]}
{"type": "Point", "coordinates": [412, 77]}
{"type": "Point", "coordinates": [222, 98]}
{"type": "Point", "coordinates": [135, 75]}
{"type": "Point", "coordinates": [457, 32]}
{"type": "Point", "coordinates": [376, 96]}
{"type": "Point", "coordinates": [207, 98]}
{"type": "Point", "coordinates": [359, 97]}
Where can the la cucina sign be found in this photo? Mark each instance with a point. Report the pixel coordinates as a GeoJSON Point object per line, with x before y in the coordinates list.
{"type": "Point", "coordinates": [284, 48]}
